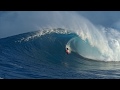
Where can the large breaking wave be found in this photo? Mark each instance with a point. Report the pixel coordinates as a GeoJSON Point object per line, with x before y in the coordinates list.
{"type": "Point", "coordinates": [95, 43]}
{"type": "Point", "coordinates": [91, 41]}
{"type": "Point", "coordinates": [41, 54]}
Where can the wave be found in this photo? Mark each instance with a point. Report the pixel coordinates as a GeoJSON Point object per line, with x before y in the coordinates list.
{"type": "Point", "coordinates": [97, 43]}
{"type": "Point", "coordinates": [41, 54]}
{"type": "Point", "coordinates": [91, 43]}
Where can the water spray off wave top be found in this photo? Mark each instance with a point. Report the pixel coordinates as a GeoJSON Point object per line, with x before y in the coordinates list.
{"type": "Point", "coordinates": [95, 42]}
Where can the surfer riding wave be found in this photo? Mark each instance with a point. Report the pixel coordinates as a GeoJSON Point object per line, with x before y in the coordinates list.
{"type": "Point", "coordinates": [67, 51]}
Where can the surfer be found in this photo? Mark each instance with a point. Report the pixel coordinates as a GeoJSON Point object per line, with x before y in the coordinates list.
{"type": "Point", "coordinates": [67, 50]}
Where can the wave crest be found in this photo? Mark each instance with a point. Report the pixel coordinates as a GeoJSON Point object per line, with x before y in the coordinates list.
{"type": "Point", "coordinates": [44, 32]}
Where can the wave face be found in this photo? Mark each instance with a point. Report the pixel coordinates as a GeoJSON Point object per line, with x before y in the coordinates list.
{"type": "Point", "coordinates": [41, 54]}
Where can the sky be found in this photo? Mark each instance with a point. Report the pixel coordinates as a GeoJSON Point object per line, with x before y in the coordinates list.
{"type": "Point", "coordinates": [17, 22]}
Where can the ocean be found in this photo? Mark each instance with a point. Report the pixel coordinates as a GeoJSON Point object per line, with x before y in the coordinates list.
{"type": "Point", "coordinates": [41, 55]}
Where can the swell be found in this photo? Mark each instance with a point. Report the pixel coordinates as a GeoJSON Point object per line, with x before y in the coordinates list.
{"type": "Point", "coordinates": [46, 49]}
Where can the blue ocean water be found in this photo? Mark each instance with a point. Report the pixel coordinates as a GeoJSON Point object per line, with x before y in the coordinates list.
{"type": "Point", "coordinates": [41, 55]}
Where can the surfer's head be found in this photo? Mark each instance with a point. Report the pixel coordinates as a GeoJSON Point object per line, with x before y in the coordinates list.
{"type": "Point", "coordinates": [66, 48]}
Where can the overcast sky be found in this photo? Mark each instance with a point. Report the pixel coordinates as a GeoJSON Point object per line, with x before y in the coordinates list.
{"type": "Point", "coordinates": [16, 22]}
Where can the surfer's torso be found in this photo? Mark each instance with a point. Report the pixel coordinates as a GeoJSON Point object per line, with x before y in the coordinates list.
{"type": "Point", "coordinates": [67, 51]}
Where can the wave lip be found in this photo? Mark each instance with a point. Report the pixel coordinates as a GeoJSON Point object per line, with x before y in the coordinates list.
{"type": "Point", "coordinates": [44, 32]}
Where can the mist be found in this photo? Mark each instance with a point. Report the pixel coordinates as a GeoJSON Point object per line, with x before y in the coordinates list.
{"type": "Point", "coordinates": [17, 22]}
